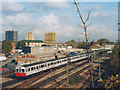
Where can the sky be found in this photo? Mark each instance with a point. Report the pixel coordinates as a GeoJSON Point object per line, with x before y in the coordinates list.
{"type": "Point", "coordinates": [61, 18]}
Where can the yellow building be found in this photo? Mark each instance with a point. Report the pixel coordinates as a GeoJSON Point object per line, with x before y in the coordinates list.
{"type": "Point", "coordinates": [29, 36]}
{"type": "Point", "coordinates": [50, 38]}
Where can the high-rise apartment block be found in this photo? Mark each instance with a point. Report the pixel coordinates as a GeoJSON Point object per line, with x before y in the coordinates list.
{"type": "Point", "coordinates": [50, 37]}
{"type": "Point", "coordinates": [11, 35]}
{"type": "Point", "coordinates": [29, 36]}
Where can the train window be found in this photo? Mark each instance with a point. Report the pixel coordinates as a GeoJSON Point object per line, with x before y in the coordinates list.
{"type": "Point", "coordinates": [32, 68]}
{"type": "Point", "coordinates": [28, 69]}
{"type": "Point", "coordinates": [52, 63]}
{"type": "Point", "coordinates": [48, 64]}
{"type": "Point", "coordinates": [42, 66]}
{"type": "Point", "coordinates": [57, 61]}
{"type": "Point", "coordinates": [17, 70]}
{"type": "Point", "coordinates": [37, 67]}
{"type": "Point", "coordinates": [23, 70]}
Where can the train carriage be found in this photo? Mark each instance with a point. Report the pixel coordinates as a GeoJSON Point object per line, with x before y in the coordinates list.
{"type": "Point", "coordinates": [29, 69]}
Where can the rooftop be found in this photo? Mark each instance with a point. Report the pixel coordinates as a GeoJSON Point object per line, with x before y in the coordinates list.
{"type": "Point", "coordinates": [34, 41]}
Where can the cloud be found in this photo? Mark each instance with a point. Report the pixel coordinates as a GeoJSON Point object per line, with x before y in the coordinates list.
{"type": "Point", "coordinates": [100, 14]}
{"type": "Point", "coordinates": [0, 21]}
{"type": "Point", "coordinates": [102, 31]}
{"type": "Point", "coordinates": [11, 7]}
{"type": "Point", "coordinates": [49, 5]}
{"type": "Point", "coordinates": [35, 1]}
{"type": "Point", "coordinates": [51, 23]}
{"type": "Point", "coordinates": [66, 18]}
{"type": "Point", "coordinates": [18, 20]}
{"type": "Point", "coordinates": [105, 14]}
{"type": "Point", "coordinates": [56, 5]}
{"type": "Point", "coordinates": [91, 7]}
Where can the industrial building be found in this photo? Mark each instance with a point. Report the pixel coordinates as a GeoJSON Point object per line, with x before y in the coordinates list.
{"type": "Point", "coordinates": [33, 43]}
{"type": "Point", "coordinates": [29, 36]}
{"type": "Point", "coordinates": [50, 38]}
{"type": "Point", "coordinates": [40, 51]}
{"type": "Point", "coordinates": [26, 59]}
{"type": "Point", "coordinates": [11, 35]}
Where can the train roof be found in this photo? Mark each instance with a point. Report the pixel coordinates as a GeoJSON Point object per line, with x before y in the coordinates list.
{"type": "Point", "coordinates": [27, 65]}
{"type": "Point", "coordinates": [36, 63]}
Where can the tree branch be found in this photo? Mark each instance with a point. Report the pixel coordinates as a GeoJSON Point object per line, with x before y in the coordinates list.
{"type": "Point", "coordinates": [80, 25]}
{"type": "Point", "coordinates": [88, 24]}
{"type": "Point", "coordinates": [76, 4]}
{"type": "Point", "coordinates": [88, 17]}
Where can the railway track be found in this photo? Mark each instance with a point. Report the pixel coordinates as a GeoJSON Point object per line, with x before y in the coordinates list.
{"type": "Point", "coordinates": [42, 80]}
{"type": "Point", "coordinates": [58, 79]}
{"type": "Point", "coordinates": [84, 83]}
{"type": "Point", "coordinates": [64, 77]}
{"type": "Point", "coordinates": [57, 74]}
{"type": "Point", "coordinates": [38, 78]}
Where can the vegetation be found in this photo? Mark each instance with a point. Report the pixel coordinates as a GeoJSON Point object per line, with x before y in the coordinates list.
{"type": "Point", "coordinates": [71, 41]}
{"type": "Point", "coordinates": [116, 56]}
{"type": "Point", "coordinates": [110, 78]}
{"type": "Point", "coordinates": [75, 79]}
{"type": "Point", "coordinates": [20, 44]}
{"type": "Point", "coordinates": [104, 41]}
{"type": "Point", "coordinates": [111, 82]}
{"type": "Point", "coordinates": [6, 46]}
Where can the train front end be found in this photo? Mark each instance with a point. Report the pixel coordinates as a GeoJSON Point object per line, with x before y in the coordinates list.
{"type": "Point", "coordinates": [20, 72]}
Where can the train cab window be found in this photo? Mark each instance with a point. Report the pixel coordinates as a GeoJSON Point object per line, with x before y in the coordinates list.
{"type": "Point", "coordinates": [23, 70]}
{"type": "Point", "coordinates": [42, 66]}
{"type": "Point", "coordinates": [17, 70]}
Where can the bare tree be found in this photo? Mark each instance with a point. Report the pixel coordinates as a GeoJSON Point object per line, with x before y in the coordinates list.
{"type": "Point", "coordinates": [85, 26]}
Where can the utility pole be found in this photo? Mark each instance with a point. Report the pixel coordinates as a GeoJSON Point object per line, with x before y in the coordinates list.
{"type": "Point", "coordinates": [99, 69]}
{"type": "Point", "coordinates": [92, 57]}
{"type": "Point", "coordinates": [68, 72]}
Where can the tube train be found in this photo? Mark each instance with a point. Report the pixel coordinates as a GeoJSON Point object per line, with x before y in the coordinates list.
{"type": "Point", "coordinates": [29, 69]}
